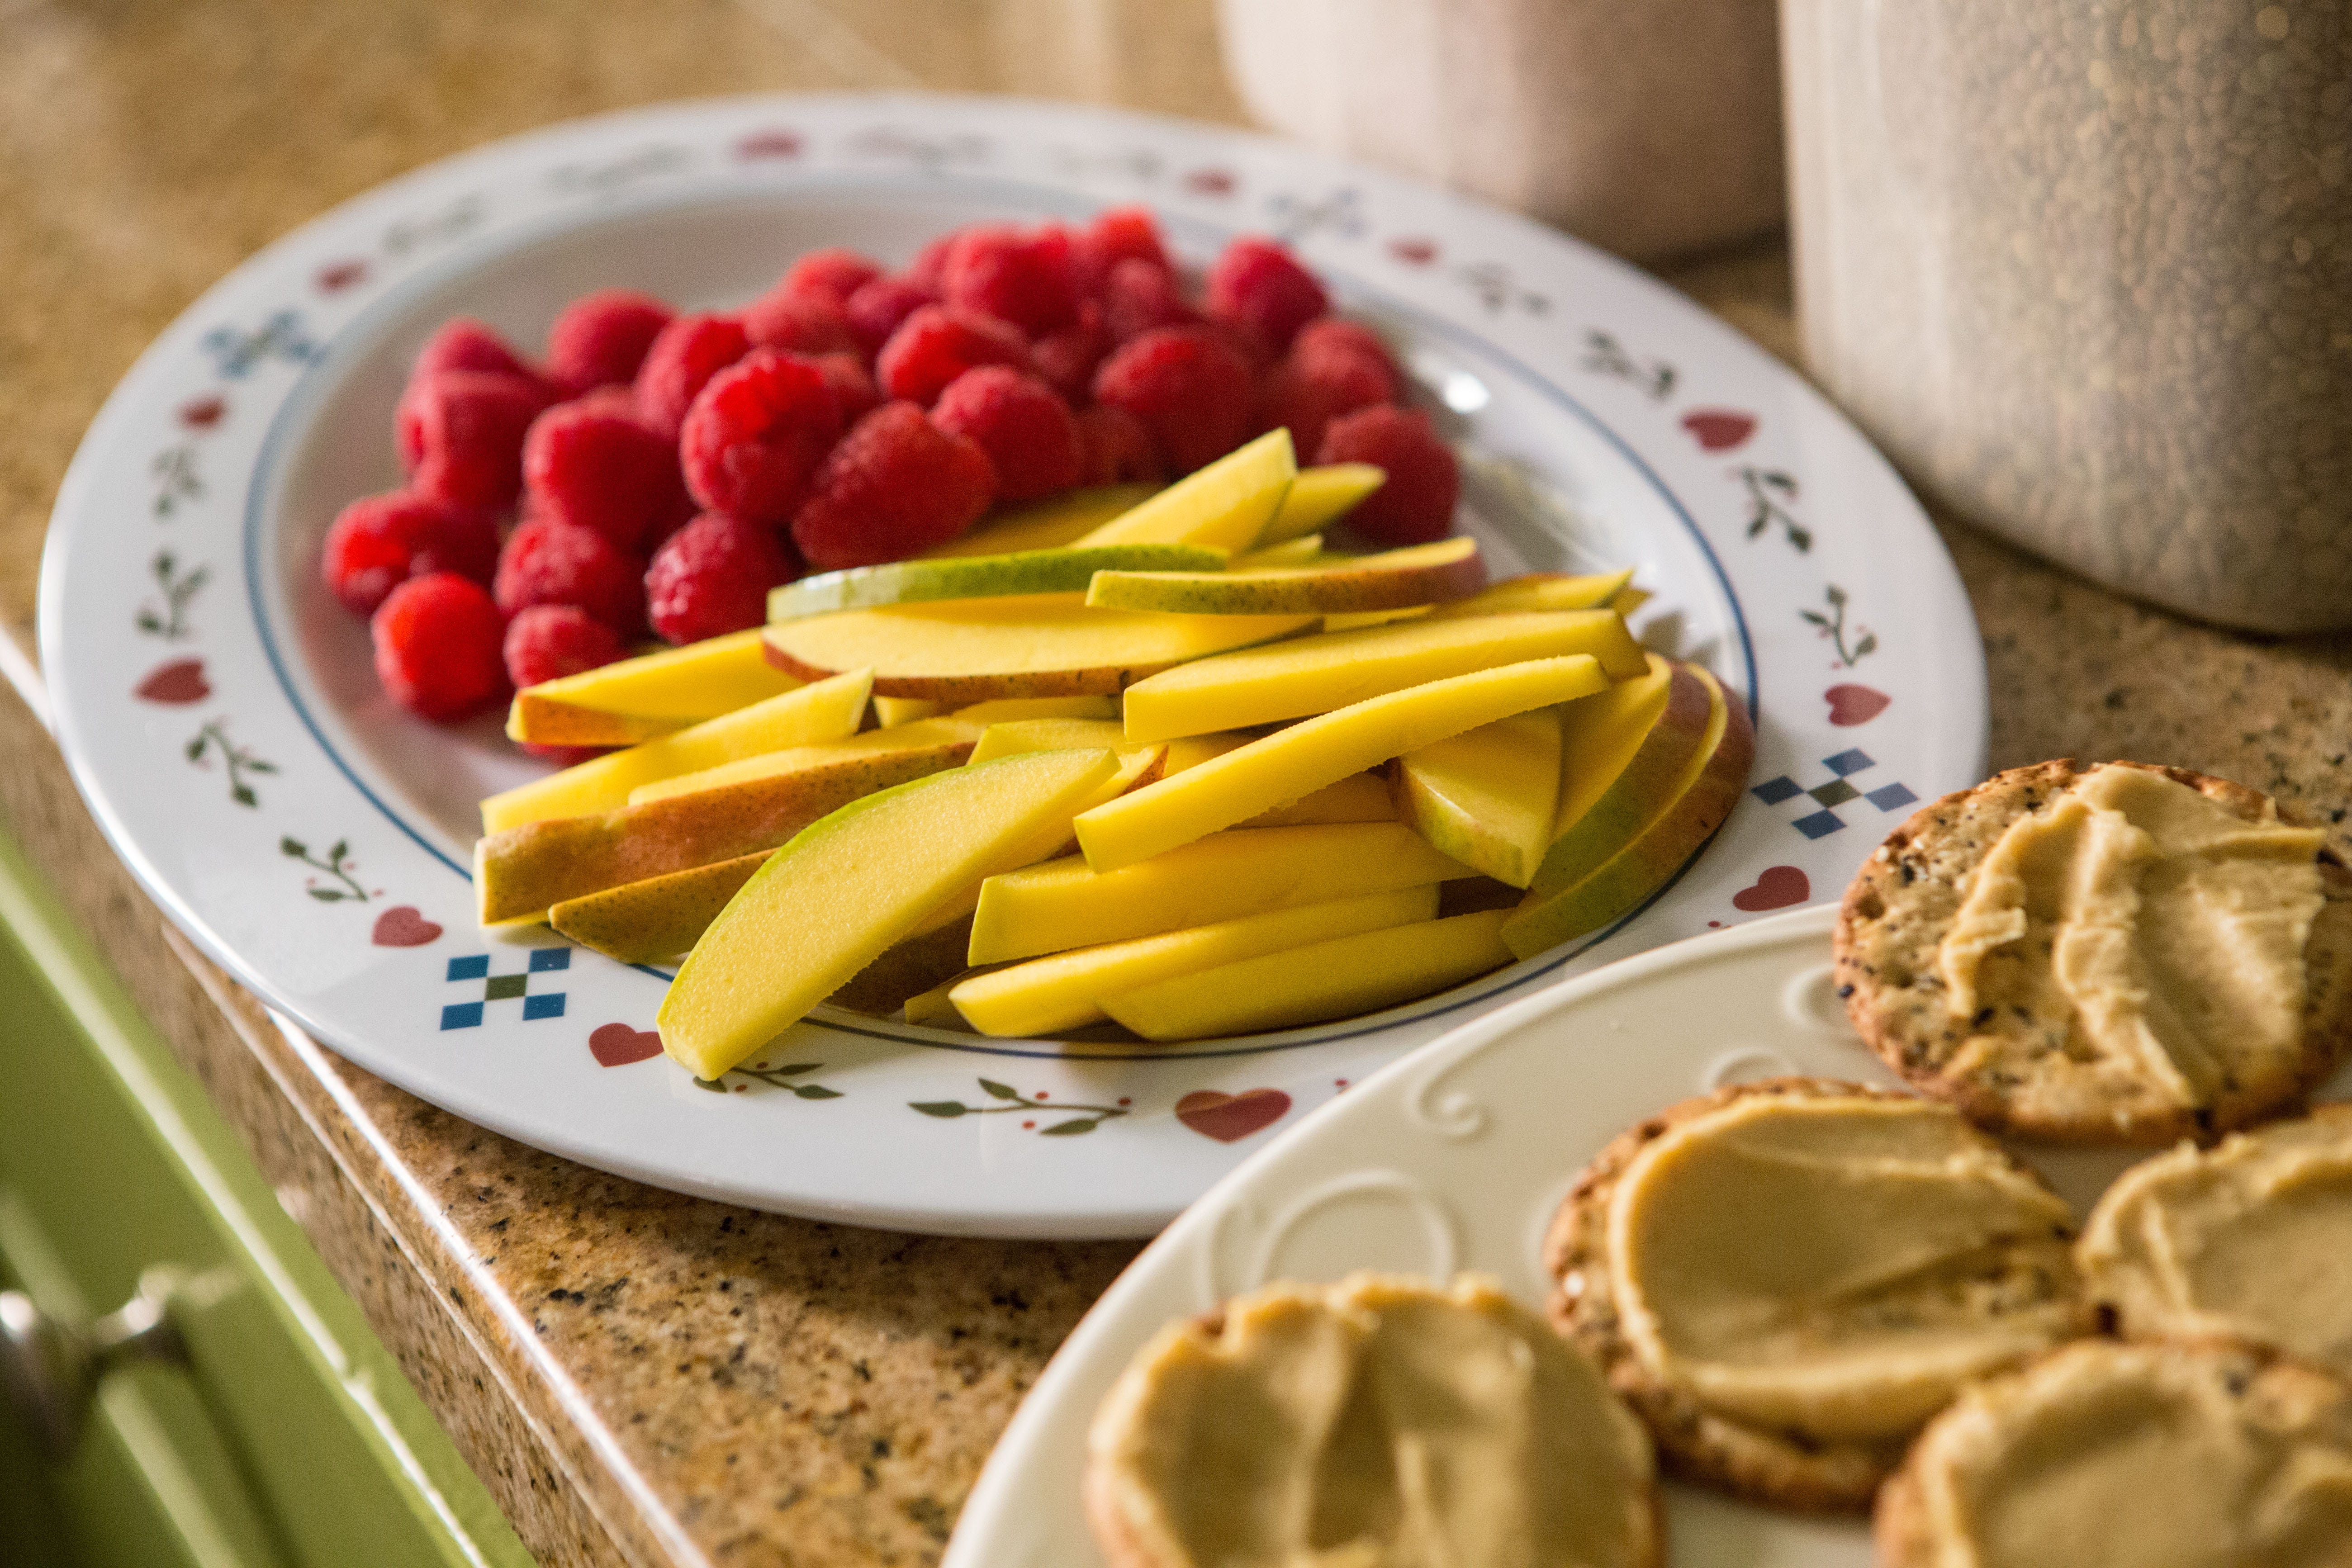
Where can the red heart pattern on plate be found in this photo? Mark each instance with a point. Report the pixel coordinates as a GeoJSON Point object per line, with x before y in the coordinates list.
{"type": "Point", "coordinates": [1852, 705]}
{"type": "Point", "coordinates": [617, 1045]}
{"type": "Point", "coordinates": [1777, 888]}
{"type": "Point", "coordinates": [202, 413]}
{"type": "Point", "coordinates": [179, 682]}
{"type": "Point", "coordinates": [403, 927]}
{"type": "Point", "coordinates": [768, 144]}
{"type": "Point", "coordinates": [1413, 252]}
{"type": "Point", "coordinates": [341, 274]}
{"type": "Point", "coordinates": [1229, 1118]}
{"type": "Point", "coordinates": [1719, 430]}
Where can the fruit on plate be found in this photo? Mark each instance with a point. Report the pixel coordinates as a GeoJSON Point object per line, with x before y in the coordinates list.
{"type": "Point", "coordinates": [637, 698]}
{"type": "Point", "coordinates": [1541, 591]}
{"type": "Point", "coordinates": [1045, 645]}
{"type": "Point", "coordinates": [1643, 781]}
{"type": "Point", "coordinates": [656, 919]}
{"type": "Point", "coordinates": [1060, 991]}
{"type": "Point", "coordinates": [1321, 494]}
{"type": "Point", "coordinates": [892, 711]}
{"type": "Point", "coordinates": [1066, 903]}
{"type": "Point", "coordinates": [1686, 820]}
{"type": "Point", "coordinates": [1191, 751]}
{"type": "Point", "coordinates": [847, 888]}
{"type": "Point", "coordinates": [1419, 574]}
{"type": "Point", "coordinates": [1359, 797]}
{"type": "Point", "coordinates": [1297, 551]}
{"type": "Point", "coordinates": [524, 871]}
{"type": "Point", "coordinates": [825, 711]}
{"type": "Point", "coordinates": [1487, 797]}
{"type": "Point", "coordinates": [915, 735]}
{"type": "Point", "coordinates": [1351, 620]}
{"type": "Point", "coordinates": [905, 969]}
{"type": "Point", "coordinates": [1226, 503]}
{"type": "Point", "coordinates": [1001, 710]}
{"type": "Point", "coordinates": [1338, 978]}
{"type": "Point", "coordinates": [1047, 525]}
{"type": "Point", "coordinates": [1317, 674]}
{"type": "Point", "coordinates": [1014, 736]}
{"type": "Point", "coordinates": [1062, 570]}
{"type": "Point", "coordinates": [1293, 761]}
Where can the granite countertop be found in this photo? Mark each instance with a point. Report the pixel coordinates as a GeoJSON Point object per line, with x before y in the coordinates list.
{"type": "Point", "coordinates": [638, 1376]}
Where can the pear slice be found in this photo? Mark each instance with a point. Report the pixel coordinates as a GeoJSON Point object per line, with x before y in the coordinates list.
{"type": "Point", "coordinates": [1017, 735]}
{"type": "Point", "coordinates": [1487, 797]}
{"type": "Point", "coordinates": [1046, 525]}
{"type": "Point", "coordinates": [1290, 552]}
{"type": "Point", "coordinates": [1541, 591]}
{"type": "Point", "coordinates": [658, 918]}
{"type": "Point", "coordinates": [636, 700]}
{"type": "Point", "coordinates": [1045, 645]}
{"type": "Point", "coordinates": [914, 735]}
{"type": "Point", "coordinates": [1002, 710]}
{"type": "Point", "coordinates": [1226, 503]}
{"type": "Point", "coordinates": [1593, 823]}
{"type": "Point", "coordinates": [1395, 579]}
{"type": "Point", "coordinates": [1065, 571]}
{"type": "Point", "coordinates": [843, 892]}
{"type": "Point", "coordinates": [1324, 493]}
{"type": "Point", "coordinates": [892, 711]}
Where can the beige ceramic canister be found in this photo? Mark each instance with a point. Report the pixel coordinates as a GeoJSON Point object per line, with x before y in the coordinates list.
{"type": "Point", "coordinates": [1648, 127]}
{"type": "Point", "coordinates": [2085, 268]}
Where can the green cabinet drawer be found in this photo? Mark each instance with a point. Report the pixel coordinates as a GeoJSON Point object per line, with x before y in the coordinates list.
{"type": "Point", "coordinates": [282, 1432]}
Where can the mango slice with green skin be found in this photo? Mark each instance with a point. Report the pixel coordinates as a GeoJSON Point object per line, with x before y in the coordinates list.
{"type": "Point", "coordinates": [1047, 994]}
{"type": "Point", "coordinates": [1043, 645]}
{"type": "Point", "coordinates": [1046, 525]}
{"type": "Point", "coordinates": [843, 892]}
{"type": "Point", "coordinates": [827, 711]}
{"type": "Point", "coordinates": [1487, 795]}
{"type": "Point", "coordinates": [1394, 579]}
{"type": "Point", "coordinates": [1293, 761]}
{"type": "Point", "coordinates": [1065, 903]}
{"type": "Point", "coordinates": [1617, 886]}
{"type": "Point", "coordinates": [1318, 674]}
{"type": "Point", "coordinates": [656, 919]}
{"type": "Point", "coordinates": [915, 735]}
{"type": "Point", "coordinates": [1226, 503]}
{"type": "Point", "coordinates": [1001, 710]}
{"type": "Point", "coordinates": [1541, 591]}
{"type": "Point", "coordinates": [635, 700]}
{"type": "Point", "coordinates": [1324, 493]}
{"type": "Point", "coordinates": [1064, 571]}
{"type": "Point", "coordinates": [1340, 978]}
{"type": "Point", "coordinates": [1644, 783]}
{"type": "Point", "coordinates": [1359, 797]}
{"type": "Point", "coordinates": [520, 873]}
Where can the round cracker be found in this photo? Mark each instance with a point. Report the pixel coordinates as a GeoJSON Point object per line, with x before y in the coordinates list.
{"type": "Point", "coordinates": [1782, 1469]}
{"type": "Point", "coordinates": [1902, 902]}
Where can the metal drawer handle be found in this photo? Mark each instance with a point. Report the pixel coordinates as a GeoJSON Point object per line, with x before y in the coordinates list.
{"type": "Point", "coordinates": [50, 1370]}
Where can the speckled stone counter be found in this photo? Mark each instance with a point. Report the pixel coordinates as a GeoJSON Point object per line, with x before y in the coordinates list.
{"type": "Point", "coordinates": [641, 1377]}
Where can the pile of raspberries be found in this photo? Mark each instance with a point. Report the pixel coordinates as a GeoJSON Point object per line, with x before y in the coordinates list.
{"type": "Point", "coordinates": [667, 471]}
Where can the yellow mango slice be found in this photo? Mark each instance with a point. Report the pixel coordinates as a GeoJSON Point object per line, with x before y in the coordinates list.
{"type": "Point", "coordinates": [657, 919]}
{"type": "Point", "coordinates": [1394, 579]}
{"type": "Point", "coordinates": [890, 711]}
{"type": "Point", "coordinates": [1317, 674]}
{"type": "Point", "coordinates": [1191, 751]}
{"type": "Point", "coordinates": [915, 735]}
{"type": "Point", "coordinates": [827, 711]}
{"type": "Point", "coordinates": [845, 890]}
{"type": "Point", "coordinates": [1049, 525]}
{"type": "Point", "coordinates": [1697, 805]}
{"type": "Point", "coordinates": [1005, 708]}
{"type": "Point", "coordinates": [1043, 644]}
{"type": "Point", "coordinates": [636, 700]}
{"type": "Point", "coordinates": [1308, 755]}
{"type": "Point", "coordinates": [1017, 735]}
{"type": "Point", "coordinates": [1318, 495]}
{"type": "Point", "coordinates": [1359, 797]}
{"type": "Point", "coordinates": [1047, 994]}
{"type": "Point", "coordinates": [1227, 504]}
{"type": "Point", "coordinates": [1335, 979]}
{"type": "Point", "coordinates": [1065, 904]}
{"type": "Point", "coordinates": [1609, 812]}
{"type": "Point", "coordinates": [1487, 795]}
{"type": "Point", "coordinates": [1350, 622]}
{"type": "Point", "coordinates": [1542, 591]}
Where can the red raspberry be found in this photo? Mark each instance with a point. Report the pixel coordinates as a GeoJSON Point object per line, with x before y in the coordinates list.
{"type": "Point", "coordinates": [829, 275]}
{"type": "Point", "coordinates": [1336, 336]}
{"type": "Point", "coordinates": [1257, 285]}
{"type": "Point", "coordinates": [436, 647]}
{"type": "Point", "coordinates": [601, 338]}
{"type": "Point", "coordinates": [938, 344]}
{"type": "Point", "coordinates": [853, 386]}
{"type": "Point", "coordinates": [1190, 388]}
{"type": "Point", "coordinates": [463, 430]}
{"type": "Point", "coordinates": [796, 323]}
{"type": "Point", "coordinates": [380, 541]}
{"type": "Point", "coordinates": [1117, 447]}
{"type": "Point", "coordinates": [1066, 357]}
{"type": "Point", "coordinates": [548, 561]}
{"type": "Point", "coordinates": [1021, 423]}
{"type": "Point", "coordinates": [548, 642]}
{"type": "Point", "coordinates": [594, 463]}
{"type": "Point", "coordinates": [875, 310]}
{"type": "Point", "coordinates": [713, 576]}
{"type": "Point", "coordinates": [1306, 392]}
{"type": "Point", "coordinates": [929, 270]}
{"type": "Point", "coordinates": [757, 433]}
{"type": "Point", "coordinates": [683, 359]}
{"type": "Point", "coordinates": [1021, 278]}
{"type": "Point", "coordinates": [1117, 235]}
{"type": "Point", "coordinates": [896, 486]}
{"type": "Point", "coordinates": [1138, 296]}
{"type": "Point", "coordinates": [465, 343]}
{"type": "Point", "coordinates": [1416, 504]}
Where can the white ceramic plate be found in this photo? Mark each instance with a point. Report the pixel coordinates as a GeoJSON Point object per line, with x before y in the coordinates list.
{"type": "Point", "coordinates": [219, 710]}
{"type": "Point", "coordinates": [1456, 1158]}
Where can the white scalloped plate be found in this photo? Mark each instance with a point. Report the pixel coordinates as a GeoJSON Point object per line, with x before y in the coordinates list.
{"type": "Point", "coordinates": [219, 712]}
{"type": "Point", "coordinates": [1457, 1158]}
